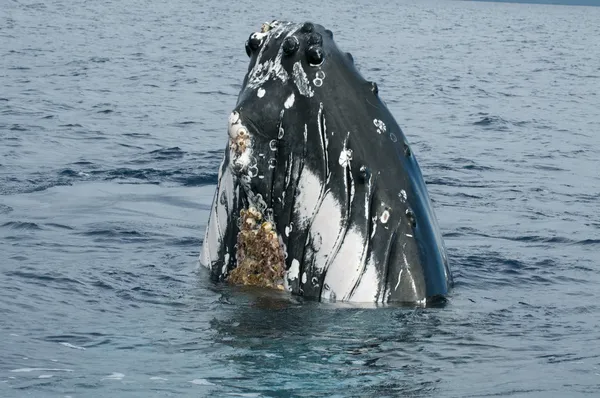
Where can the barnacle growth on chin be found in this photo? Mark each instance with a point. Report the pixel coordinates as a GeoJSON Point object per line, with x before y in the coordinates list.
{"type": "Point", "coordinates": [260, 258]}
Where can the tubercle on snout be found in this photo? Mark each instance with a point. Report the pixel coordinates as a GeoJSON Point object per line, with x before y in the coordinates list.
{"type": "Point", "coordinates": [305, 37]}
{"type": "Point", "coordinates": [313, 42]}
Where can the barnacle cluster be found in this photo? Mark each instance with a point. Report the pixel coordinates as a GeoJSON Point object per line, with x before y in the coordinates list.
{"type": "Point", "coordinates": [260, 258]}
{"type": "Point", "coordinates": [240, 142]}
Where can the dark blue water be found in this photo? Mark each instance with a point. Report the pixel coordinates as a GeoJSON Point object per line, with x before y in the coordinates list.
{"type": "Point", "coordinates": [112, 125]}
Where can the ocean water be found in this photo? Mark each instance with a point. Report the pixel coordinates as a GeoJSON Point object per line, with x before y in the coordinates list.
{"type": "Point", "coordinates": [112, 126]}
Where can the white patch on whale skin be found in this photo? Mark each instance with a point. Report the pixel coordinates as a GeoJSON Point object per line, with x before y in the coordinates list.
{"type": "Point", "coordinates": [213, 235]}
{"type": "Point", "coordinates": [234, 117]}
{"type": "Point", "coordinates": [399, 279]}
{"type": "Point", "coordinates": [345, 269]}
{"type": "Point", "coordinates": [292, 274]}
{"type": "Point", "coordinates": [307, 200]}
{"type": "Point", "coordinates": [368, 285]}
{"type": "Point", "coordinates": [301, 80]}
{"type": "Point", "coordinates": [288, 229]}
{"type": "Point", "coordinates": [328, 225]}
{"type": "Point", "coordinates": [366, 290]}
{"type": "Point", "coordinates": [381, 128]}
{"type": "Point", "coordinates": [226, 190]}
{"type": "Point", "coordinates": [402, 196]}
{"type": "Point", "coordinates": [289, 102]}
{"type": "Point", "coordinates": [345, 157]}
{"type": "Point", "coordinates": [261, 92]}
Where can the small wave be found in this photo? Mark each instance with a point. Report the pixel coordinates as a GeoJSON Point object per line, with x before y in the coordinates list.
{"type": "Point", "coordinates": [73, 346]}
{"type": "Point", "coordinates": [26, 226]}
{"type": "Point", "coordinates": [72, 173]}
{"type": "Point", "coordinates": [27, 370]}
{"type": "Point", "coordinates": [167, 153]}
{"type": "Point", "coordinates": [4, 209]}
{"type": "Point", "coordinates": [185, 124]}
{"type": "Point", "coordinates": [490, 120]}
{"type": "Point", "coordinates": [112, 233]}
{"type": "Point", "coordinates": [45, 278]}
{"type": "Point", "coordinates": [60, 226]}
{"type": "Point", "coordinates": [17, 127]}
{"type": "Point", "coordinates": [587, 242]}
{"type": "Point", "coordinates": [199, 180]}
{"type": "Point", "coordinates": [99, 59]}
{"type": "Point", "coordinates": [114, 376]}
{"type": "Point", "coordinates": [202, 382]}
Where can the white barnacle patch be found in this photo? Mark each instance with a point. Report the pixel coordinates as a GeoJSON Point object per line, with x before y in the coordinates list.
{"type": "Point", "coordinates": [289, 102]}
{"type": "Point", "coordinates": [381, 128]}
{"type": "Point", "coordinates": [301, 80]}
{"type": "Point", "coordinates": [261, 92]}
{"type": "Point", "coordinates": [345, 154]}
{"type": "Point", "coordinates": [319, 77]}
{"type": "Point", "coordinates": [240, 144]}
{"type": "Point", "coordinates": [265, 27]}
{"type": "Point", "coordinates": [402, 196]}
{"type": "Point", "coordinates": [385, 216]}
{"type": "Point", "coordinates": [345, 157]}
{"type": "Point", "coordinates": [273, 145]}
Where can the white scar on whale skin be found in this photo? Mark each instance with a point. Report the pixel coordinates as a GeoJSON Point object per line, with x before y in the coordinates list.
{"type": "Point", "coordinates": [309, 193]}
{"type": "Point", "coordinates": [292, 274]}
{"type": "Point", "coordinates": [301, 80]}
{"type": "Point", "coordinates": [289, 102]}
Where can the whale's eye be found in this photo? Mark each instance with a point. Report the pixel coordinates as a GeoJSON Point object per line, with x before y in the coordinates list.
{"type": "Point", "coordinates": [315, 39]}
{"type": "Point", "coordinates": [315, 55]}
{"type": "Point", "coordinates": [290, 45]}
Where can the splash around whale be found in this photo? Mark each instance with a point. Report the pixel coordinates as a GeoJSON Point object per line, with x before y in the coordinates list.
{"type": "Point", "coordinates": [319, 192]}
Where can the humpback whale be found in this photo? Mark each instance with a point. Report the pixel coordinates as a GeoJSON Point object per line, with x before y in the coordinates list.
{"type": "Point", "coordinates": [319, 192]}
